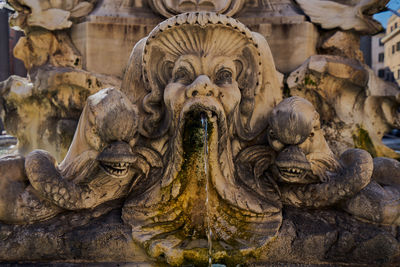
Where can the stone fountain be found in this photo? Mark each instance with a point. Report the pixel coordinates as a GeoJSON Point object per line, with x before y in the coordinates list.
{"type": "Point", "coordinates": [202, 152]}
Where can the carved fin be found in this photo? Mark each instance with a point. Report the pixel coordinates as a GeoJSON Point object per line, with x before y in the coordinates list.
{"type": "Point", "coordinates": [47, 181]}
{"type": "Point", "coordinates": [331, 14]}
{"type": "Point", "coordinates": [355, 175]}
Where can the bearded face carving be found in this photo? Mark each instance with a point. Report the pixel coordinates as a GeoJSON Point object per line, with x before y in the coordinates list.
{"type": "Point", "coordinates": [209, 65]}
{"type": "Point", "coordinates": [185, 146]}
{"type": "Point", "coordinates": [204, 79]}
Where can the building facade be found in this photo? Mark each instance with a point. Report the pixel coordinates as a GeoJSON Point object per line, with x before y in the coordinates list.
{"type": "Point", "coordinates": [391, 42]}
{"type": "Point", "coordinates": [378, 57]}
{"type": "Point", "coordinates": [8, 39]}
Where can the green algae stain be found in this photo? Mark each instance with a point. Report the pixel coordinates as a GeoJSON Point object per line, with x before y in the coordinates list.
{"type": "Point", "coordinates": [309, 81]}
{"type": "Point", "coordinates": [193, 138]}
{"type": "Point", "coordinates": [362, 140]}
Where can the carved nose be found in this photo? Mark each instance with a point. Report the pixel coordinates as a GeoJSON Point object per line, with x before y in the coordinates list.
{"type": "Point", "coordinates": [202, 86]}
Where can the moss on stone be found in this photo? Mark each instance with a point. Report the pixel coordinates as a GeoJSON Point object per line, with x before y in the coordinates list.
{"type": "Point", "coordinates": [309, 81]}
{"type": "Point", "coordinates": [362, 140]}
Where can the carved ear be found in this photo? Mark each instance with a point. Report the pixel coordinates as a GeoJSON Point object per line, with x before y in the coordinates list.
{"type": "Point", "coordinates": [264, 90]}
{"type": "Point", "coordinates": [246, 80]}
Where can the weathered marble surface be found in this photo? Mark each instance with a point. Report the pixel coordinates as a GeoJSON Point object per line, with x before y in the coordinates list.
{"type": "Point", "coordinates": [306, 237]}
{"type": "Point", "coordinates": [132, 187]}
{"type": "Point", "coordinates": [239, 186]}
{"type": "Point", "coordinates": [48, 14]}
{"type": "Point", "coordinates": [371, 107]}
{"type": "Point", "coordinates": [43, 111]}
{"type": "Point", "coordinates": [122, 24]}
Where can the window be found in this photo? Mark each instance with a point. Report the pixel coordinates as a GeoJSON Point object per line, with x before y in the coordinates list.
{"type": "Point", "coordinates": [398, 74]}
{"type": "Point", "coordinates": [380, 42]}
{"type": "Point", "coordinates": [389, 76]}
{"type": "Point", "coordinates": [395, 25]}
{"type": "Point", "coordinates": [381, 73]}
{"type": "Point", "coordinates": [393, 49]}
{"type": "Point", "coordinates": [381, 57]}
{"type": "Point", "coordinates": [398, 46]}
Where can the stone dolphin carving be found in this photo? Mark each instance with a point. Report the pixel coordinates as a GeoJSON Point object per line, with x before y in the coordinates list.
{"type": "Point", "coordinates": [309, 175]}
{"type": "Point", "coordinates": [52, 14]}
{"type": "Point", "coordinates": [102, 164]}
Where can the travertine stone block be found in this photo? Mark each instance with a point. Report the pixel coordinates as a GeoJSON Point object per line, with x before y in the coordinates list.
{"type": "Point", "coordinates": [105, 45]}
{"type": "Point", "coordinates": [292, 43]}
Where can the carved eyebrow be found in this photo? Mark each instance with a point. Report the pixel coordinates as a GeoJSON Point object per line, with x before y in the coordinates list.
{"type": "Point", "coordinates": [222, 67]}
{"type": "Point", "coordinates": [184, 64]}
{"type": "Point", "coordinates": [221, 64]}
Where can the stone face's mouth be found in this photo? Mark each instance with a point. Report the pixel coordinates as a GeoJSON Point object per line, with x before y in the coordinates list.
{"type": "Point", "coordinates": [212, 109]}
{"type": "Point", "coordinates": [191, 113]}
{"type": "Point", "coordinates": [187, 122]}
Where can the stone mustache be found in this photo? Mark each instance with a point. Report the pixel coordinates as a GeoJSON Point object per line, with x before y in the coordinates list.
{"type": "Point", "coordinates": [142, 144]}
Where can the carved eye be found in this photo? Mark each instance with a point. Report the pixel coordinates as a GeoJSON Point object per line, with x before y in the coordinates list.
{"type": "Point", "coordinates": [311, 134]}
{"type": "Point", "coordinates": [224, 76]}
{"type": "Point", "coordinates": [182, 75]}
{"type": "Point", "coordinates": [272, 134]}
{"type": "Point", "coordinates": [274, 142]}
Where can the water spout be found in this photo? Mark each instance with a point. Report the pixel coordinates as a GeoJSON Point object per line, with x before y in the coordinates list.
{"type": "Point", "coordinates": [205, 145]}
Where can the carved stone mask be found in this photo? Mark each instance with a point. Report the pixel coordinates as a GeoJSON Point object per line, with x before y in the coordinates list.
{"type": "Point", "coordinates": [191, 65]}
{"type": "Point", "coordinates": [184, 47]}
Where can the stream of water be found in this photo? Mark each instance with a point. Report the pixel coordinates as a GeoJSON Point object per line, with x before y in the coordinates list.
{"type": "Point", "coordinates": [205, 145]}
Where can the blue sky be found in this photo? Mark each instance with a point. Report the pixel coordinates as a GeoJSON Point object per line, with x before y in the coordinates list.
{"type": "Point", "coordinates": [384, 16]}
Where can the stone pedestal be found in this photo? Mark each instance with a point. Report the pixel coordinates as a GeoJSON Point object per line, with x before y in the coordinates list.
{"type": "Point", "coordinates": [306, 238]}
{"type": "Point", "coordinates": [292, 44]}
{"type": "Point", "coordinates": [106, 38]}
{"type": "Point", "coordinates": [291, 38]}
{"type": "Point", "coordinates": [106, 42]}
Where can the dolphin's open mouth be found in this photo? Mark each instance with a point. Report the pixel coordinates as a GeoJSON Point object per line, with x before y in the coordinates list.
{"type": "Point", "coordinates": [116, 159]}
{"type": "Point", "coordinates": [118, 169]}
{"type": "Point", "coordinates": [291, 172]}
{"type": "Point", "coordinates": [292, 166]}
